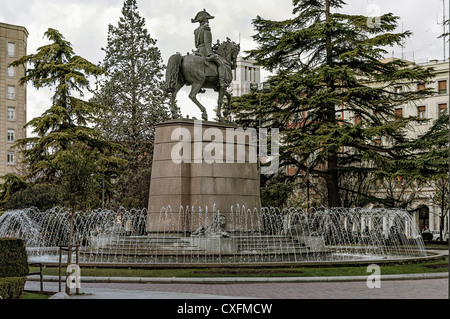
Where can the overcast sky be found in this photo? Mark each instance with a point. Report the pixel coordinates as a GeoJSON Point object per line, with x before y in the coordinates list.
{"type": "Point", "coordinates": [85, 24]}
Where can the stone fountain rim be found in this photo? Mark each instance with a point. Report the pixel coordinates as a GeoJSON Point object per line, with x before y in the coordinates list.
{"type": "Point", "coordinates": [431, 255]}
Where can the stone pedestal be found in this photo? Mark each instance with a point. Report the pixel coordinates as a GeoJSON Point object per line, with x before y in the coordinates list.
{"type": "Point", "coordinates": [201, 164]}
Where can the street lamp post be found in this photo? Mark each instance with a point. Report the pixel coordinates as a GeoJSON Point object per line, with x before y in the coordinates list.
{"type": "Point", "coordinates": [265, 87]}
{"type": "Point", "coordinates": [307, 188]}
{"type": "Point", "coordinates": [309, 163]}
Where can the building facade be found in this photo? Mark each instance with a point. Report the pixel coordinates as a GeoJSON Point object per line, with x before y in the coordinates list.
{"type": "Point", "coordinates": [246, 73]}
{"type": "Point", "coordinates": [13, 96]}
{"type": "Point", "coordinates": [424, 206]}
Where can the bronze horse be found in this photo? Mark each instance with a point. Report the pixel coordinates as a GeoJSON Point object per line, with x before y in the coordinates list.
{"type": "Point", "coordinates": [199, 73]}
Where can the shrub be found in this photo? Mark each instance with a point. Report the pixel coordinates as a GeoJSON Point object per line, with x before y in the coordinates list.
{"type": "Point", "coordinates": [12, 287]}
{"type": "Point", "coordinates": [13, 267]}
{"type": "Point", "coordinates": [427, 236]}
{"type": "Point", "coordinates": [41, 196]}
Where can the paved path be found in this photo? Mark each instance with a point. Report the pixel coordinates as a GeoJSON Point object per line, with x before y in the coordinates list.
{"type": "Point", "coordinates": [345, 289]}
{"type": "Point", "coordinates": [419, 286]}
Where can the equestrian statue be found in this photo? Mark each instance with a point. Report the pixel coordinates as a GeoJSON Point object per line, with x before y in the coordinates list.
{"type": "Point", "coordinates": [209, 67]}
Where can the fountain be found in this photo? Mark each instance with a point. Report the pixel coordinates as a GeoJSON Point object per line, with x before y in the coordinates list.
{"type": "Point", "coordinates": [280, 235]}
{"type": "Point", "coordinates": [199, 170]}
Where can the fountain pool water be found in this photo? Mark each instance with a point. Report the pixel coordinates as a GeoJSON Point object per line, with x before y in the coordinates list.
{"type": "Point", "coordinates": [270, 235]}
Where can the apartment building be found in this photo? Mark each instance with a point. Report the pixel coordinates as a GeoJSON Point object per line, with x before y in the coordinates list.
{"type": "Point", "coordinates": [13, 97]}
{"type": "Point", "coordinates": [425, 209]}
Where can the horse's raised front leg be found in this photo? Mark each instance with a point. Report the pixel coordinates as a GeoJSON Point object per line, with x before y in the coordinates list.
{"type": "Point", "coordinates": [193, 96]}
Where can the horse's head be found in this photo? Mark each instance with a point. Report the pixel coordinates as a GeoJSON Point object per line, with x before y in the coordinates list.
{"type": "Point", "coordinates": [235, 49]}
{"type": "Point", "coordinates": [230, 51]}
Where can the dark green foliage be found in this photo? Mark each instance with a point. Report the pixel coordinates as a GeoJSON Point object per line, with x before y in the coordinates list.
{"type": "Point", "coordinates": [42, 196]}
{"type": "Point", "coordinates": [10, 186]}
{"type": "Point", "coordinates": [427, 236]}
{"type": "Point", "coordinates": [13, 267]}
{"type": "Point", "coordinates": [12, 287]}
{"type": "Point", "coordinates": [13, 258]}
{"type": "Point", "coordinates": [431, 152]}
{"type": "Point", "coordinates": [68, 122]}
{"type": "Point", "coordinates": [326, 63]}
{"type": "Point", "coordinates": [276, 193]}
{"type": "Point", "coordinates": [131, 90]}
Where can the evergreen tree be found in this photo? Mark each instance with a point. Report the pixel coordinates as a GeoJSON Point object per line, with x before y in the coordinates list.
{"type": "Point", "coordinates": [131, 90]}
{"type": "Point", "coordinates": [64, 140]}
{"type": "Point", "coordinates": [68, 121]}
{"type": "Point", "coordinates": [327, 64]}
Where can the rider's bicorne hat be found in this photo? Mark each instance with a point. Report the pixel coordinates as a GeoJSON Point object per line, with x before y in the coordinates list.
{"type": "Point", "coordinates": [202, 15]}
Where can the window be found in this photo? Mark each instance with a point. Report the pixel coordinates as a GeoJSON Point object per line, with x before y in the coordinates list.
{"type": "Point", "coordinates": [421, 112]}
{"type": "Point", "coordinates": [11, 114]}
{"type": "Point", "coordinates": [11, 49]}
{"type": "Point", "coordinates": [420, 86]}
{"type": "Point", "coordinates": [441, 108]}
{"type": "Point", "coordinates": [340, 113]}
{"type": "Point", "coordinates": [11, 72]}
{"type": "Point", "coordinates": [398, 114]}
{"type": "Point", "coordinates": [398, 91]}
{"type": "Point", "coordinates": [10, 158]}
{"type": "Point", "coordinates": [11, 134]}
{"type": "Point", "coordinates": [442, 87]}
{"type": "Point", "coordinates": [11, 92]}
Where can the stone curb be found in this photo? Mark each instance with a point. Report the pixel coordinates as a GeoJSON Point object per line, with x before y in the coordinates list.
{"type": "Point", "coordinates": [241, 280]}
{"type": "Point", "coordinates": [60, 295]}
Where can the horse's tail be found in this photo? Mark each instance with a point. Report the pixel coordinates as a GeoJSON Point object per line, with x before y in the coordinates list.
{"type": "Point", "coordinates": [173, 69]}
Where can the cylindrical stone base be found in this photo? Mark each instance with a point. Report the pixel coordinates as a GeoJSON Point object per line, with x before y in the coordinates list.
{"type": "Point", "coordinates": [200, 164]}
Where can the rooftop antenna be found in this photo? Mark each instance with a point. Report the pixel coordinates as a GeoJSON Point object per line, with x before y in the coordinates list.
{"type": "Point", "coordinates": [444, 38]}
{"type": "Point", "coordinates": [403, 44]}
{"type": "Point", "coordinates": [240, 43]}
{"type": "Point", "coordinates": [443, 27]}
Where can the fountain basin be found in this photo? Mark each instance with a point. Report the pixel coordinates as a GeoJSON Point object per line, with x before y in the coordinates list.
{"type": "Point", "coordinates": [281, 236]}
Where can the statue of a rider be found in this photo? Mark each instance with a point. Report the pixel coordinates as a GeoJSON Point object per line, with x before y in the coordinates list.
{"type": "Point", "coordinates": [203, 44]}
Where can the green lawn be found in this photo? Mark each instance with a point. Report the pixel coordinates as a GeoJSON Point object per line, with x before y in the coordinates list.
{"type": "Point", "coordinates": [425, 267]}
{"type": "Point", "coordinates": [34, 295]}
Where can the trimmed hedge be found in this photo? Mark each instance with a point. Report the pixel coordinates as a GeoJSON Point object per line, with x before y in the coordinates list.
{"type": "Point", "coordinates": [427, 236]}
{"type": "Point", "coordinates": [13, 267]}
{"type": "Point", "coordinates": [438, 242]}
{"type": "Point", "coordinates": [12, 287]}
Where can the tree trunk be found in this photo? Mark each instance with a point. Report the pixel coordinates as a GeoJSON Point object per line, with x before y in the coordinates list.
{"type": "Point", "coordinates": [332, 178]}
{"type": "Point", "coordinates": [334, 199]}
